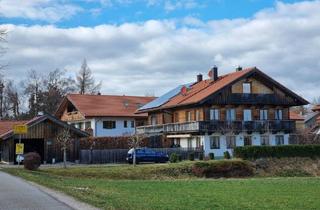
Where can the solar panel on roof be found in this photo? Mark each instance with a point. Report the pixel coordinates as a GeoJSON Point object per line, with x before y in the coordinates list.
{"type": "Point", "coordinates": [164, 98]}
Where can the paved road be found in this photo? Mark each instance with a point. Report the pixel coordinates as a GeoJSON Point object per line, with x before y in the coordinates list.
{"type": "Point", "coordinates": [15, 194]}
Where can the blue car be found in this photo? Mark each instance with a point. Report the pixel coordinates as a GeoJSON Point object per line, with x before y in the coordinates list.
{"type": "Point", "coordinates": [147, 155]}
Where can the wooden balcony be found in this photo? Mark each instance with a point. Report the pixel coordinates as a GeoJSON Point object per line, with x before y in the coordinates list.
{"type": "Point", "coordinates": [266, 126]}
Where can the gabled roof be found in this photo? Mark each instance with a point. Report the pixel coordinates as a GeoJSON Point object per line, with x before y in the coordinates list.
{"type": "Point", "coordinates": [105, 105]}
{"type": "Point", "coordinates": [316, 108]}
{"type": "Point", "coordinates": [6, 127]}
{"type": "Point", "coordinates": [200, 91]}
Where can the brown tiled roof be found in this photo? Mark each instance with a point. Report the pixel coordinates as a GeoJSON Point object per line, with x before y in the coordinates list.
{"type": "Point", "coordinates": [7, 125]}
{"type": "Point", "coordinates": [205, 88]}
{"type": "Point", "coordinates": [316, 108]}
{"type": "Point", "coordinates": [200, 91]}
{"type": "Point", "coordinates": [108, 105]}
{"type": "Point", "coordinates": [295, 116]}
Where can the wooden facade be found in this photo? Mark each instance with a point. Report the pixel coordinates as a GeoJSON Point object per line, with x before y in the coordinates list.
{"type": "Point", "coordinates": [41, 138]}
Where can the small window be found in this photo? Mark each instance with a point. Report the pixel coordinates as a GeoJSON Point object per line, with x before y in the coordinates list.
{"type": "Point", "coordinates": [263, 114]}
{"type": "Point", "coordinates": [109, 124]}
{"type": "Point", "coordinates": [246, 87]}
{"type": "Point", "coordinates": [231, 114]}
{"type": "Point", "coordinates": [214, 142]}
{"type": "Point", "coordinates": [247, 115]}
{"type": "Point", "coordinates": [231, 142]}
{"type": "Point", "coordinates": [214, 114]}
{"type": "Point", "coordinates": [278, 114]}
{"type": "Point", "coordinates": [197, 115]}
{"type": "Point", "coordinates": [132, 124]}
{"type": "Point", "coordinates": [188, 116]}
{"type": "Point", "coordinates": [265, 140]}
{"type": "Point", "coordinates": [125, 124]}
{"type": "Point", "coordinates": [279, 140]}
{"type": "Point", "coordinates": [247, 141]}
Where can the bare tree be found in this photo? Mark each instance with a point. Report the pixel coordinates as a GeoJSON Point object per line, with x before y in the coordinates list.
{"type": "Point", "coordinates": [12, 99]}
{"type": "Point", "coordinates": [3, 33]}
{"type": "Point", "coordinates": [64, 139]}
{"type": "Point", "coordinates": [134, 143]}
{"type": "Point", "coordinates": [34, 91]}
{"type": "Point", "coordinates": [85, 81]}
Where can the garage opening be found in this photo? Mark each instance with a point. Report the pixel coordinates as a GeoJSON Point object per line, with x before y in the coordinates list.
{"type": "Point", "coordinates": [31, 145]}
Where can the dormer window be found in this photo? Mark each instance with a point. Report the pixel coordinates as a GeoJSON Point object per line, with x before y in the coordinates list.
{"type": "Point", "coordinates": [246, 87]}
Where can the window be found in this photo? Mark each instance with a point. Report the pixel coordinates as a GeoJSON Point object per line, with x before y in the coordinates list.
{"type": "Point", "coordinates": [125, 124]}
{"type": "Point", "coordinates": [231, 142]}
{"type": "Point", "coordinates": [214, 114]}
{"type": "Point", "coordinates": [278, 114]}
{"type": "Point", "coordinates": [198, 142]}
{"type": "Point", "coordinates": [247, 141]}
{"type": "Point", "coordinates": [189, 143]}
{"type": "Point", "coordinates": [197, 115]}
{"type": "Point", "coordinates": [214, 142]}
{"type": "Point", "coordinates": [246, 87]}
{"type": "Point", "coordinates": [188, 116]}
{"type": "Point", "coordinates": [109, 124]}
{"type": "Point", "coordinates": [87, 125]}
{"type": "Point", "coordinates": [247, 115]}
{"type": "Point", "coordinates": [231, 114]}
{"type": "Point", "coordinates": [153, 119]}
{"type": "Point", "coordinates": [263, 114]}
{"type": "Point", "coordinates": [132, 123]}
{"type": "Point", "coordinates": [279, 140]}
{"type": "Point", "coordinates": [265, 140]}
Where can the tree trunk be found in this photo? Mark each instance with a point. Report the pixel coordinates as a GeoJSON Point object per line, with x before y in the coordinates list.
{"type": "Point", "coordinates": [134, 161]}
{"type": "Point", "coordinates": [65, 158]}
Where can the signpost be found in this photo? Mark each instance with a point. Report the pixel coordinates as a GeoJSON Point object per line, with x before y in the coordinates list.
{"type": "Point", "coordinates": [20, 130]}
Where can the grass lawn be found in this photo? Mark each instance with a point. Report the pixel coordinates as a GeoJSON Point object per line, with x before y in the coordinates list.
{"type": "Point", "coordinates": [110, 188]}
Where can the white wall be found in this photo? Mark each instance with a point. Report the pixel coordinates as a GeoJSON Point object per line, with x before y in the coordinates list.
{"type": "Point", "coordinates": [120, 130]}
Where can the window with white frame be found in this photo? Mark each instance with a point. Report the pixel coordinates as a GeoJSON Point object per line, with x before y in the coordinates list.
{"type": "Point", "coordinates": [265, 140]}
{"type": "Point", "coordinates": [189, 143]}
{"type": "Point", "coordinates": [214, 114]}
{"type": "Point", "coordinates": [214, 142]}
{"type": "Point", "coordinates": [246, 86]}
{"type": "Point", "coordinates": [109, 124]}
{"type": "Point", "coordinates": [197, 113]}
{"type": "Point", "coordinates": [198, 142]}
{"type": "Point", "coordinates": [278, 114]}
{"type": "Point", "coordinates": [231, 115]}
{"type": "Point", "coordinates": [125, 124]}
{"type": "Point", "coordinates": [231, 142]}
{"type": "Point", "coordinates": [279, 140]}
{"type": "Point", "coordinates": [132, 123]}
{"type": "Point", "coordinates": [263, 114]}
{"type": "Point", "coordinates": [188, 116]}
{"type": "Point", "coordinates": [247, 115]}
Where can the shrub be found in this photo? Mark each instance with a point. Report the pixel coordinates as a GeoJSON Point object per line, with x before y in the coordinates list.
{"type": "Point", "coordinates": [227, 155]}
{"type": "Point", "coordinates": [201, 156]}
{"type": "Point", "coordinates": [293, 173]}
{"type": "Point", "coordinates": [211, 156]}
{"type": "Point", "coordinates": [223, 168]}
{"type": "Point", "coordinates": [255, 152]}
{"type": "Point", "coordinates": [173, 158]}
{"type": "Point", "coordinates": [179, 157]}
{"type": "Point", "coordinates": [191, 156]}
{"type": "Point", "coordinates": [32, 161]}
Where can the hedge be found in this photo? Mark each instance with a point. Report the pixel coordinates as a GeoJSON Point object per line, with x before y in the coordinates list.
{"type": "Point", "coordinates": [255, 152]}
{"type": "Point", "coordinates": [223, 168]}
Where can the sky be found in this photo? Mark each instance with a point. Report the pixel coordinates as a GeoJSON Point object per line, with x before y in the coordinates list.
{"type": "Point", "coordinates": [140, 47]}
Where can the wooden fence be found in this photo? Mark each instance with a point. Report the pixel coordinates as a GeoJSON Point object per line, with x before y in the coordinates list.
{"type": "Point", "coordinates": [119, 155]}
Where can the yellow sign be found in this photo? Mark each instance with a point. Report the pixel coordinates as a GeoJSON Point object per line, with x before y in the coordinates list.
{"type": "Point", "coordinates": [20, 129]}
{"type": "Point", "coordinates": [19, 149]}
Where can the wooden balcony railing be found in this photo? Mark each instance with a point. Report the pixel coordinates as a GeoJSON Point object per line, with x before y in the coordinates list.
{"type": "Point", "coordinates": [274, 126]}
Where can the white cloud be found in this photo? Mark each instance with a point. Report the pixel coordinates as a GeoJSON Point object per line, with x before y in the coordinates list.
{"type": "Point", "coordinates": [47, 10]}
{"type": "Point", "coordinates": [181, 4]}
{"type": "Point", "coordinates": [154, 56]}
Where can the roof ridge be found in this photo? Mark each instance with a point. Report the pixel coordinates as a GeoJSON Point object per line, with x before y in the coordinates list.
{"type": "Point", "coordinates": [77, 94]}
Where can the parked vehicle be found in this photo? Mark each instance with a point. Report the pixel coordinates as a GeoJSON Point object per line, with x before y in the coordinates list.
{"type": "Point", "coordinates": [147, 155]}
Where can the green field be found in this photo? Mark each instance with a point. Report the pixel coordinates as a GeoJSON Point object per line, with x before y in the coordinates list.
{"type": "Point", "coordinates": [109, 188]}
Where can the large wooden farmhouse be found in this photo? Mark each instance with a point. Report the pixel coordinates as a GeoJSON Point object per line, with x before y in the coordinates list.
{"type": "Point", "coordinates": [103, 115]}
{"type": "Point", "coordinates": [245, 107]}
